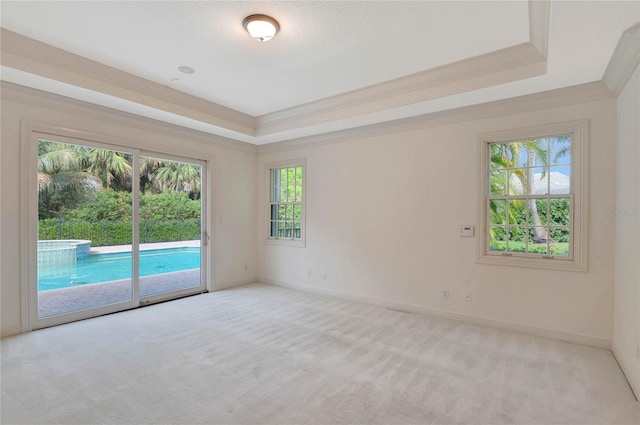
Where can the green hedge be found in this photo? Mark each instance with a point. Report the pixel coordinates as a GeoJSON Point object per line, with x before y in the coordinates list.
{"type": "Point", "coordinates": [116, 206]}
{"type": "Point", "coordinates": [561, 248]}
{"type": "Point", "coordinates": [169, 230]}
{"type": "Point", "coordinates": [105, 233]}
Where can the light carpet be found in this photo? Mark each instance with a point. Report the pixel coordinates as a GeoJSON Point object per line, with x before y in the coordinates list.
{"type": "Point", "coordinates": [261, 354]}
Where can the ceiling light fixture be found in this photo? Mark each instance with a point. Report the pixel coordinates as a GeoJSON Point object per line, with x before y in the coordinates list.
{"type": "Point", "coordinates": [261, 27]}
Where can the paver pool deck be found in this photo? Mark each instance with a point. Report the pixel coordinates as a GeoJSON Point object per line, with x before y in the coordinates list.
{"type": "Point", "coordinates": [78, 298]}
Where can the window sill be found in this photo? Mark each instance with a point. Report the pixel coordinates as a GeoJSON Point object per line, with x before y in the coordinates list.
{"type": "Point", "coordinates": [534, 263]}
{"type": "Point", "coordinates": [285, 242]}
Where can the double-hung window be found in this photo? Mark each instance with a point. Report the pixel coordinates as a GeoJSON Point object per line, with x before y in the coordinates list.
{"type": "Point", "coordinates": [534, 197]}
{"type": "Point", "coordinates": [286, 203]}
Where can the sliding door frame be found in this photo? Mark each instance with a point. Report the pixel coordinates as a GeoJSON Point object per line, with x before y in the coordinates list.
{"type": "Point", "coordinates": [30, 135]}
{"type": "Point", "coordinates": [204, 235]}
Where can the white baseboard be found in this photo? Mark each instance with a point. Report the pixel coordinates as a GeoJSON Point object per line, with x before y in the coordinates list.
{"type": "Point", "coordinates": [480, 321]}
{"type": "Point", "coordinates": [626, 365]}
{"type": "Point", "coordinates": [233, 284]}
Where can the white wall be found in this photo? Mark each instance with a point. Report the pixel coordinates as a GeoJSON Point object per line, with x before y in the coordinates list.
{"type": "Point", "coordinates": [626, 335]}
{"type": "Point", "coordinates": [234, 173]}
{"type": "Point", "coordinates": [382, 216]}
{"type": "Point", "coordinates": [383, 212]}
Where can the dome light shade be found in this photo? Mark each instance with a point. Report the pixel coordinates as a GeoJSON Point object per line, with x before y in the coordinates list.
{"type": "Point", "coordinates": [261, 27]}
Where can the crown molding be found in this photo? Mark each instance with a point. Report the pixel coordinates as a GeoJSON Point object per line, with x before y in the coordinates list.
{"type": "Point", "coordinates": [36, 64]}
{"type": "Point", "coordinates": [34, 57]}
{"type": "Point", "coordinates": [539, 23]}
{"type": "Point", "coordinates": [583, 93]}
{"type": "Point", "coordinates": [624, 61]}
{"type": "Point", "coordinates": [498, 67]}
{"type": "Point", "coordinates": [490, 69]}
{"type": "Point", "coordinates": [30, 96]}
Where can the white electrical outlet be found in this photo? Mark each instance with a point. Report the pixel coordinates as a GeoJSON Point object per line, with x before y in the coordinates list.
{"type": "Point", "coordinates": [324, 276]}
{"type": "Point", "coordinates": [308, 273]}
{"type": "Point", "coordinates": [467, 297]}
{"type": "Point", "coordinates": [445, 294]}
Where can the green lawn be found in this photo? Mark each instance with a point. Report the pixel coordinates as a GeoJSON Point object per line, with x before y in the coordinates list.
{"type": "Point", "coordinates": [557, 248]}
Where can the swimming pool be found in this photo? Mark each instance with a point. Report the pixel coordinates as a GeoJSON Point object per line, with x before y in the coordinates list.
{"type": "Point", "coordinates": [98, 268]}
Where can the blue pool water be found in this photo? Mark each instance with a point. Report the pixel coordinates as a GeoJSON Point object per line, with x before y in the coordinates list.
{"type": "Point", "coordinates": [107, 267]}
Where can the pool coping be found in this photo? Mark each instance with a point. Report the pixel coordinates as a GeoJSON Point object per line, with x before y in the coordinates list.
{"type": "Point", "coordinates": [145, 246]}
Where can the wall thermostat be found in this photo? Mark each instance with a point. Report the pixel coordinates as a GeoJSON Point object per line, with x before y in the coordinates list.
{"type": "Point", "coordinates": [466, 231]}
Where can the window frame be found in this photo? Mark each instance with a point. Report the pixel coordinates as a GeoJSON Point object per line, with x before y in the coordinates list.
{"type": "Point", "coordinates": [268, 167]}
{"type": "Point", "coordinates": [577, 261]}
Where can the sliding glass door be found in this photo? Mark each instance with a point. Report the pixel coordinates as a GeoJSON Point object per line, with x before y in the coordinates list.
{"type": "Point", "coordinates": [116, 228]}
{"type": "Point", "coordinates": [170, 220]}
{"type": "Point", "coordinates": [85, 208]}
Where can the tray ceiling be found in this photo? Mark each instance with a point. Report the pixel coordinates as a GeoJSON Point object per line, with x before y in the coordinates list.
{"type": "Point", "coordinates": [334, 65]}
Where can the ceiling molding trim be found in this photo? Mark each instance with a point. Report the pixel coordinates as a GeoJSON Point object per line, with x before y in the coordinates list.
{"type": "Point", "coordinates": [31, 56]}
{"type": "Point", "coordinates": [490, 69]}
{"type": "Point", "coordinates": [539, 24]}
{"type": "Point", "coordinates": [624, 61]}
{"type": "Point", "coordinates": [38, 82]}
{"type": "Point", "coordinates": [573, 95]}
{"type": "Point", "coordinates": [30, 96]}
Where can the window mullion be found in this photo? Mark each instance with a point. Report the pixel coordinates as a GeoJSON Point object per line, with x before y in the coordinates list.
{"type": "Point", "coordinates": [548, 227]}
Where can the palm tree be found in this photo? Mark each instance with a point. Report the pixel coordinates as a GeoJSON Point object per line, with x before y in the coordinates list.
{"type": "Point", "coordinates": [148, 167]}
{"type": "Point", "coordinates": [178, 176]}
{"type": "Point", "coordinates": [506, 156]}
{"type": "Point", "coordinates": [62, 183]}
{"type": "Point", "coordinates": [59, 168]}
{"type": "Point", "coordinates": [113, 168]}
{"type": "Point", "coordinates": [534, 151]}
{"type": "Point", "coordinates": [565, 147]}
